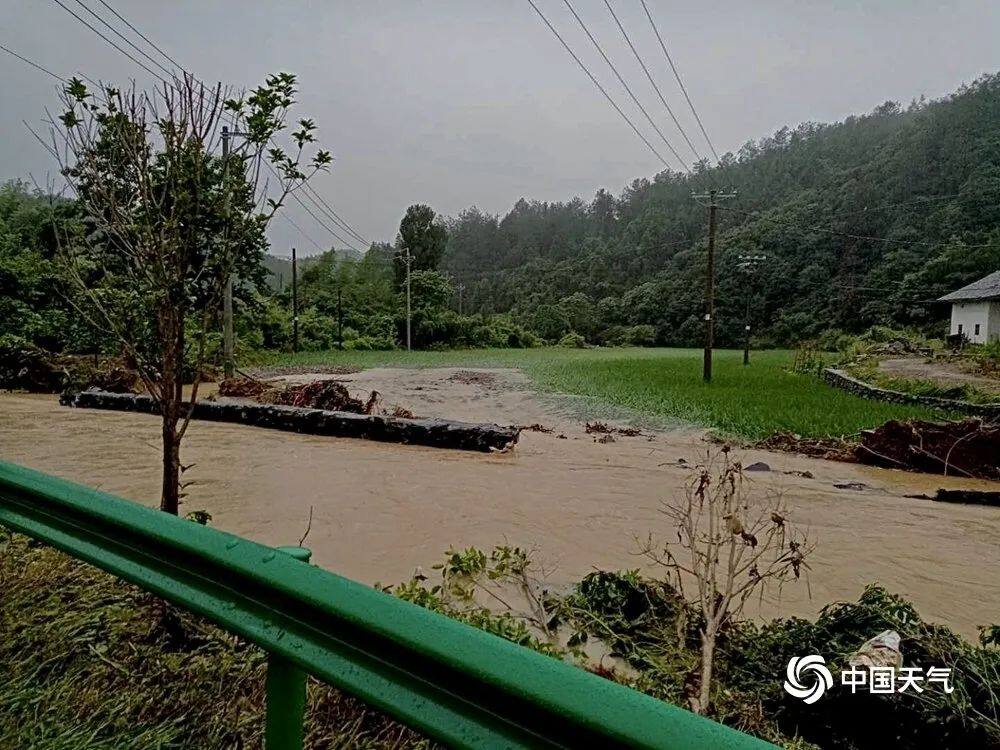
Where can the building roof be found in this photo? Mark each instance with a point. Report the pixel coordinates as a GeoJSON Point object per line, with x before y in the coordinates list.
{"type": "Point", "coordinates": [987, 287]}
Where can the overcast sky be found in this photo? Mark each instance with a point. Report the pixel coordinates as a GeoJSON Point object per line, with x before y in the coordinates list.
{"type": "Point", "coordinates": [474, 102]}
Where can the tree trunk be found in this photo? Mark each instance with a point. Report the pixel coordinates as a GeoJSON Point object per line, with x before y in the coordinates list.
{"type": "Point", "coordinates": [171, 394]}
{"type": "Point", "coordinates": [700, 704]}
{"type": "Point", "coordinates": [171, 488]}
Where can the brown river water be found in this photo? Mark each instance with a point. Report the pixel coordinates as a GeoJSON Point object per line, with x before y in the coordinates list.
{"type": "Point", "coordinates": [380, 510]}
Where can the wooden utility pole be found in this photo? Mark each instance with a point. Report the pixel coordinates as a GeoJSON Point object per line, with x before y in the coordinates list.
{"type": "Point", "coordinates": [228, 363]}
{"type": "Point", "coordinates": [228, 339]}
{"type": "Point", "coordinates": [748, 264]}
{"type": "Point", "coordinates": [714, 196]}
{"type": "Point", "coordinates": [340, 319]}
{"type": "Point", "coordinates": [408, 260]}
{"type": "Point", "coordinates": [460, 288]}
{"type": "Point", "coordinates": [295, 305]}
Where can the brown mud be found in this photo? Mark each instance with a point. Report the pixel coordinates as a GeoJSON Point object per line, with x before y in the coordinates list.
{"type": "Point", "coordinates": [380, 510]}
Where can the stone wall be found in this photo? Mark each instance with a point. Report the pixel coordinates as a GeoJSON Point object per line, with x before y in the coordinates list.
{"type": "Point", "coordinates": [437, 433]}
{"type": "Point", "coordinates": [840, 379]}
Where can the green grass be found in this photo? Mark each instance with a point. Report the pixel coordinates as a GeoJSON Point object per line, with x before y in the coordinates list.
{"type": "Point", "coordinates": [84, 667]}
{"type": "Point", "coordinates": [749, 402]}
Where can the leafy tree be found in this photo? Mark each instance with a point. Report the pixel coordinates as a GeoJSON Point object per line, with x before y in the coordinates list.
{"type": "Point", "coordinates": [579, 311]}
{"type": "Point", "coordinates": [433, 322]}
{"type": "Point", "coordinates": [424, 236]}
{"type": "Point", "coordinates": [166, 222]}
{"type": "Point", "coordinates": [550, 322]}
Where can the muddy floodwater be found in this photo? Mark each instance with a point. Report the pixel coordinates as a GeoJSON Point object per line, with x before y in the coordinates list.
{"type": "Point", "coordinates": [381, 510]}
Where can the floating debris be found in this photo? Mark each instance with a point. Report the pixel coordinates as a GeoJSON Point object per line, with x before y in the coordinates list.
{"type": "Point", "coordinates": [606, 429]}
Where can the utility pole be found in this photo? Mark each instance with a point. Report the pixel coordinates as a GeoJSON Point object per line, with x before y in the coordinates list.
{"type": "Point", "coordinates": [714, 196]}
{"type": "Point", "coordinates": [340, 319]}
{"type": "Point", "coordinates": [228, 363]}
{"type": "Point", "coordinates": [748, 264]}
{"type": "Point", "coordinates": [460, 288]}
{"type": "Point", "coordinates": [228, 360]}
{"type": "Point", "coordinates": [407, 259]}
{"type": "Point", "coordinates": [295, 305]}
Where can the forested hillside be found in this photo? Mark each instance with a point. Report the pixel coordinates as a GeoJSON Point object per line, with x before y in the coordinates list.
{"type": "Point", "coordinates": [863, 222]}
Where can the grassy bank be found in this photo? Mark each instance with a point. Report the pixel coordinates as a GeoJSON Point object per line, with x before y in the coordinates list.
{"type": "Point", "coordinates": [750, 402]}
{"type": "Point", "coordinates": [84, 667]}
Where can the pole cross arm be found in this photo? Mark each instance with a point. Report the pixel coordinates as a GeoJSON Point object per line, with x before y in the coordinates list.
{"type": "Point", "coordinates": [457, 684]}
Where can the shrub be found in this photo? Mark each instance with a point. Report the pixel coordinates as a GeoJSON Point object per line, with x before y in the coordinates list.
{"type": "Point", "coordinates": [613, 336]}
{"type": "Point", "coordinates": [641, 335]}
{"type": "Point", "coordinates": [809, 359]}
{"type": "Point", "coordinates": [572, 341]}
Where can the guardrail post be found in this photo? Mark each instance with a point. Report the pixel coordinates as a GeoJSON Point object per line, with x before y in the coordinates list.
{"type": "Point", "coordinates": [285, 691]}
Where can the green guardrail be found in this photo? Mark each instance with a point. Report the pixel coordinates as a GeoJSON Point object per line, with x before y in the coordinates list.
{"type": "Point", "coordinates": [459, 685]}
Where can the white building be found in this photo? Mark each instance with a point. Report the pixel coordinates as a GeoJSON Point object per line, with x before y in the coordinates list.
{"type": "Point", "coordinates": [975, 310]}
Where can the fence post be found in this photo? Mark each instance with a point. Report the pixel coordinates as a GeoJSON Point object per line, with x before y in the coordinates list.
{"type": "Point", "coordinates": [285, 692]}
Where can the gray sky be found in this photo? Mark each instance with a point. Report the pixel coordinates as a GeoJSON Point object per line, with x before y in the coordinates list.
{"type": "Point", "coordinates": [457, 103]}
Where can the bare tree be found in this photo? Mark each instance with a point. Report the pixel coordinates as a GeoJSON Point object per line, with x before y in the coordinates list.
{"type": "Point", "coordinates": [166, 221]}
{"type": "Point", "coordinates": [731, 543]}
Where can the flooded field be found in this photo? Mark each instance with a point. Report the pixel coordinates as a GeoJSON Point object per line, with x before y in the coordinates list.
{"type": "Point", "coordinates": [381, 510]}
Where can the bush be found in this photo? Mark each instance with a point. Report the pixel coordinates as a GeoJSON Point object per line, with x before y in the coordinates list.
{"type": "Point", "coordinates": [317, 332]}
{"type": "Point", "coordinates": [987, 357]}
{"type": "Point", "coordinates": [572, 341]}
{"type": "Point", "coordinates": [809, 360]}
{"type": "Point", "coordinates": [641, 335]}
{"type": "Point", "coordinates": [613, 336]}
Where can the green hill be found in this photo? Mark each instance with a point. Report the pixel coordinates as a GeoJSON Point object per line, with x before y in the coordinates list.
{"type": "Point", "coordinates": [863, 221]}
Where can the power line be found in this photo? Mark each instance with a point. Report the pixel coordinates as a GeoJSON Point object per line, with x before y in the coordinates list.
{"type": "Point", "coordinates": [33, 64]}
{"type": "Point", "coordinates": [301, 231]}
{"type": "Point", "coordinates": [105, 38]}
{"type": "Point", "coordinates": [321, 222]}
{"type": "Point", "coordinates": [679, 81]}
{"type": "Point", "coordinates": [124, 20]}
{"type": "Point", "coordinates": [599, 86]}
{"type": "Point", "coordinates": [142, 36]}
{"type": "Point", "coordinates": [652, 81]}
{"type": "Point", "coordinates": [316, 201]}
{"type": "Point", "coordinates": [625, 85]}
{"type": "Point", "coordinates": [125, 39]}
{"type": "Point", "coordinates": [334, 216]}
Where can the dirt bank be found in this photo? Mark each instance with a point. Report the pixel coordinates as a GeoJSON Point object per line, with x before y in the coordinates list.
{"type": "Point", "coordinates": [380, 510]}
{"type": "Point", "coordinates": [945, 373]}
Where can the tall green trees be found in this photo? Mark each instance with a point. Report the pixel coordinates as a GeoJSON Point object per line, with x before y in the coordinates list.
{"type": "Point", "coordinates": [865, 221]}
{"type": "Point", "coordinates": [423, 235]}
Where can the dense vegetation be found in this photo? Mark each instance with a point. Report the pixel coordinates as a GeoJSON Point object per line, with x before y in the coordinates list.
{"type": "Point", "coordinates": [104, 672]}
{"type": "Point", "coordinates": [863, 222]}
